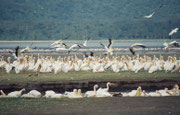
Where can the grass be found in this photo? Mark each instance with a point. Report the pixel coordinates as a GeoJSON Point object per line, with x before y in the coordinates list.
{"type": "Point", "coordinates": [90, 106]}
{"type": "Point", "coordinates": [12, 104]}
{"type": "Point", "coordinates": [83, 76]}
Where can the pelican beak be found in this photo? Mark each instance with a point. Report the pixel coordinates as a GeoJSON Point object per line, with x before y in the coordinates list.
{"type": "Point", "coordinates": [113, 84]}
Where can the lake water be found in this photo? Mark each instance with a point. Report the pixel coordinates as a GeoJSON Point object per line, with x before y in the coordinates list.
{"type": "Point", "coordinates": [91, 44]}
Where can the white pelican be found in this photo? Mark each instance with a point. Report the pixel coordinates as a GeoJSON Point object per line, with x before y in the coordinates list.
{"type": "Point", "coordinates": [91, 93]}
{"type": "Point", "coordinates": [175, 91]}
{"type": "Point", "coordinates": [60, 42]}
{"type": "Point", "coordinates": [65, 47]}
{"type": "Point", "coordinates": [105, 89]}
{"type": "Point", "coordinates": [2, 93]}
{"type": "Point", "coordinates": [26, 49]}
{"type": "Point", "coordinates": [49, 93]}
{"type": "Point", "coordinates": [155, 94]}
{"type": "Point", "coordinates": [2, 62]}
{"type": "Point", "coordinates": [109, 49]}
{"type": "Point", "coordinates": [153, 68]}
{"type": "Point", "coordinates": [16, 53]}
{"type": "Point", "coordinates": [85, 43]}
{"type": "Point", "coordinates": [173, 31]}
{"type": "Point", "coordinates": [35, 93]}
{"type": "Point", "coordinates": [150, 15]}
{"type": "Point", "coordinates": [16, 93]}
{"type": "Point", "coordinates": [73, 46]}
{"type": "Point", "coordinates": [134, 45]}
{"type": "Point", "coordinates": [32, 94]}
{"type": "Point", "coordinates": [104, 94]}
{"type": "Point", "coordinates": [8, 66]}
{"type": "Point", "coordinates": [171, 44]}
{"type": "Point", "coordinates": [75, 94]}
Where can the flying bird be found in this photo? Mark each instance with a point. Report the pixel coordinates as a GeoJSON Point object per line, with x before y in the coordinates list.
{"type": "Point", "coordinates": [151, 15]}
{"type": "Point", "coordinates": [109, 49]}
{"type": "Point", "coordinates": [60, 42]}
{"type": "Point", "coordinates": [134, 45]}
{"type": "Point", "coordinates": [85, 43]}
{"type": "Point", "coordinates": [171, 44]}
{"type": "Point", "coordinates": [16, 53]}
{"type": "Point", "coordinates": [173, 32]}
{"type": "Point", "coordinates": [65, 47]}
{"type": "Point", "coordinates": [28, 48]}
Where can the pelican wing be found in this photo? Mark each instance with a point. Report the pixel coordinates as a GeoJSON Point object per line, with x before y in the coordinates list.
{"type": "Point", "coordinates": [140, 45]}
{"type": "Point", "coordinates": [110, 43]}
{"type": "Point", "coordinates": [17, 51]}
{"type": "Point", "coordinates": [85, 54]}
{"type": "Point", "coordinates": [159, 7]}
{"type": "Point", "coordinates": [176, 44]}
{"type": "Point", "coordinates": [85, 43]}
{"type": "Point", "coordinates": [132, 51]}
{"type": "Point", "coordinates": [91, 54]}
{"type": "Point", "coordinates": [137, 44]}
{"type": "Point", "coordinates": [102, 44]}
{"type": "Point", "coordinates": [59, 41]}
{"type": "Point", "coordinates": [65, 46]}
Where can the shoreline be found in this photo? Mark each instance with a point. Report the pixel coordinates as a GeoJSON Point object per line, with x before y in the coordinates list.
{"type": "Point", "coordinates": [46, 41]}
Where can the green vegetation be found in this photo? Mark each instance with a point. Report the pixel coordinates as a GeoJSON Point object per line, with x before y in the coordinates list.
{"type": "Point", "coordinates": [99, 19]}
{"type": "Point", "coordinates": [17, 104]}
{"type": "Point", "coordinates": [82, 75]}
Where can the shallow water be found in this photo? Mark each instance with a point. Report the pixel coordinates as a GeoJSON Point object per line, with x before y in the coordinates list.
{"type": "Point", "coordinates": [91, 44]}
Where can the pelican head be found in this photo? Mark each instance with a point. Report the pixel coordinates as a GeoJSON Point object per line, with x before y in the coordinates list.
{"type": "Point", "coordinates": [96, 86]}
{"type": "Point", "coordinates": [176, 86]}
{"type": "Point", "coordinates": [75, 91]}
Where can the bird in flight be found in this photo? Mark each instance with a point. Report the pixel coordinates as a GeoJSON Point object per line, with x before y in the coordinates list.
{"type": "Point", "coordinates": [134, 45]}
{"type": "Point", "coordinates": [171, 44]}
{"type": "Point", "coordinates": [173, 31]}
{"type": "Point", "coordinates": [16, 53]}
{"type": "Point", "coordinates": [151, 15]}
{"type": "Point", "coordinates": [109, 49]}
{"type": "Point", "coordinates": [65, 47]}
{"type": "Point", "coordinates": [85, 43]}
{"type": "Point", "coordinates": [59, 42]}
{"type": "Point", "coordinates": [26, 49]}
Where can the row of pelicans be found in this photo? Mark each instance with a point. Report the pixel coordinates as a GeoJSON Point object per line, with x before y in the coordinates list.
{"type": "Point", "coordinates": [101, 92]}
{"type": "Point", "coordinates": [95, 64]}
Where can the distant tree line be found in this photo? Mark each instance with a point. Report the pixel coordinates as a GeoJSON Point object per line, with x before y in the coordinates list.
{"type": "Point", "coordinates": [78, 19]}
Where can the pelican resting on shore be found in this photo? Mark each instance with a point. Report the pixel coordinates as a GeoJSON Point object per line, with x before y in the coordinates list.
{"type": "Point", "coordinates": [75, 94]}
{"type": "Point", "coordinates": [2, 93]}
{"type": "Point", "coordinates": [32, 94]}
{"type": "Point", "coordinates": [105, 89]}
{"type": "Point", "coordinates": [91, 93]}
{"type": "Point", "coordinates": [15, 93]}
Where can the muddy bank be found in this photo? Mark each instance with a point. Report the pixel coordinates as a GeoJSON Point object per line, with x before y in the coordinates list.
{"type": "Point", "coordinates": [150, 85]}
